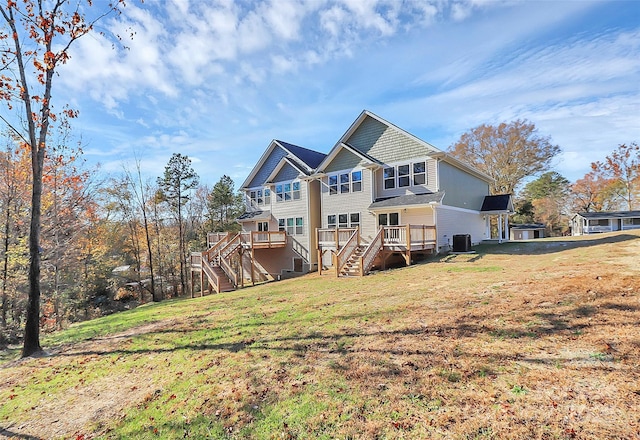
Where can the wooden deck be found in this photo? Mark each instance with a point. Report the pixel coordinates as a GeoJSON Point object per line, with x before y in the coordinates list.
{"type": "Point", "coordinates": [389, 240]}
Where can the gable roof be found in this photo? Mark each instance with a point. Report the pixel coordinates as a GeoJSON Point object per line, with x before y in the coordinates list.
{"type": "Point", "coordinates": [407, 200]}
{"type": "Point", "coordinates": [369, 161]}
{"type": "Point", "coordinates": [308, 157]}
{"type": "Point", "coordinates": [609, 214]}
{"type": "Point", "coordinates": [434, 151]}
{"type": "Point", "coordinates": [305, 159]}
{"type": "Point", "coordinates": [497, 203]}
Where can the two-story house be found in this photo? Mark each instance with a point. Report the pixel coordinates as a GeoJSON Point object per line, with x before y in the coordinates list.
{"type": "Point", "coordinates": [379, 192]}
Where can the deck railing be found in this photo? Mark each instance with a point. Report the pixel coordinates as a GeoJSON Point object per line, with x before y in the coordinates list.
{"type": "Point", "coordinates": [369, 255]}
{"type": "Point", "coordinates": [342, 256]}
{"type": "Point", "coordinates": [215, 237]}
{"type": "Point", "coordinates": [333, 237]}
{"type": "Point", "coordinates": [409, 236]}
{"type": "Point", "coordinates": [267, 239]}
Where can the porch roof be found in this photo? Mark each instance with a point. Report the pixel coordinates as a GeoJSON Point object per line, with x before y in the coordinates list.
{"type": "Point", "coordinates": [410, 200]}
{"type": "Point", "coordinates": [254, 216]}
{"type": "Point", "coordinates": [500, 203]}
{"type": "Point", "coordinates": [609, 214]}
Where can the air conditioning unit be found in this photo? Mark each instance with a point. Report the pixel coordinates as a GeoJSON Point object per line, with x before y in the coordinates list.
{"type": "Point", "coordinates": [462, 243]}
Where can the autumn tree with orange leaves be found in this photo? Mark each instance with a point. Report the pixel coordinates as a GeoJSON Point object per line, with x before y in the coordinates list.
{"type": "Point", "coordinates": [622, 166]}
{"type": "Point", "coordinates": [35, 40]}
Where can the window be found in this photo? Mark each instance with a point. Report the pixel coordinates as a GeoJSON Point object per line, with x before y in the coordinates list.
{"type": "Point", "coordinates": [389, 178]}
{"type": "Point", "coordinates": [287, 192]}
{"type": "Point", "coordinates": [419, 173]}
{"type": "Point", "coordinates": [267, 196]}
{"type": "Point", "coordinates": [351, 220]}
{"type": "Point", "coordinates": [356, 181]}
{"type": "Point", "coordinates": [344, 183]}
{"type": "Point", "coordinates": [390, 219]}
{"type": "Point", "coordinates": [354, 219]}
{"type": "Point", "coordinates": [281, 224]}
{"type": "Point", "coordinates": [403, 175]}
{"type": "Point", "coordinates": [296, 190]}
{"type": "Point", "coordinates": [631, 221]}
{"type": "Point", "coordinates": [263, 226]}
{"type": "Point", "coordinates": [290, 229]}
{"type": "Point", "coordinates": [333, 185]}
{"type": "Point", "coordinates": [299, 226]}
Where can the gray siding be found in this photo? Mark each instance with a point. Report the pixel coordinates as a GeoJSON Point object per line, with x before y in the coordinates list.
{"type": "Point", "coordinates": [386, 144]}
{"type": "Point", "coordinates": [286, 173]}
{"type": "Point", "coordinates": [429, 187]}
{"type": "Point", "coordinates": [344, 160]}
{"type": "Point", "coordinates": [267, 167]}
{"type": "Point", "coordinates": [454, 221]}
{"type": "Point", "coordinates": [293, 209]}
{"type": "Point", "coordinates": [461, 189]}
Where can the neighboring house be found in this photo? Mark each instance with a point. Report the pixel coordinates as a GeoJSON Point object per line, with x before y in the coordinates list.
{"type": "Point", "coordinates": [380, 192]}
{"type": "Point", "coordinates": [527, 231]}
{"type": "Point", "coordinates": [584, 223]}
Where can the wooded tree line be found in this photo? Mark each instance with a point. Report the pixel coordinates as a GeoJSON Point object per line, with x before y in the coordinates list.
{"type": "Point", "coordinates": [105, 241]}
{"type": "Point", "coordinates": [520, 161]}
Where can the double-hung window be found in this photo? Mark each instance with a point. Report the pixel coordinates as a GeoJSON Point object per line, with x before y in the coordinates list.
{"type": "Point", "coordinates": [345, 183]}
{"type": "Point", "coordinates": [343, 220]}
{"type": "Point", "coordinates": [403, 176]}
{"type": "Point", "coordinates": [389, 175]}
{"type": "Point", "coordinates": [299, 226]}
{"type": "Point", "coordinates": [419, 173]}
{"type": "Point", "coordinates": [331, 221]}
{"type": "Point", "coordinates": [279, 193]}
{"type": "Point", "coordinates": [296, 190]}
{"type": "Point", "coordinates": [333, 185]}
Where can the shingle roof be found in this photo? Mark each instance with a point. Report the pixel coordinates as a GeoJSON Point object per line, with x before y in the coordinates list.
{"type": "Point", "coordinates": [310, 157]}
{"type": "Point", "coordinates": [408, 200]}
{"type": "Point", "coordinates": [500, 202]}
{"type": "Point", "coordinates": [255, 215]}
{"type": "Point", "coordinates": [610, 214]}
{"type": "Point", "coordinates": [527, 226]}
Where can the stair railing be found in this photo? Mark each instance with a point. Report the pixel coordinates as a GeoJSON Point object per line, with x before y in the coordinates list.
{"type": "Point", "coordinates": [341, 258]}
{"type": "Point", "coordinates": [224, 255]}
{"type": "Point", "coordinates": [369, 255]}
{"type": "Point", "coordinates": [213, 278]}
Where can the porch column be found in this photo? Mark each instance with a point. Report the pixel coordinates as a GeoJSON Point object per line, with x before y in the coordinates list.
{"type": "Point", "coordinates": [506, 227]}
{"type": "Point", "coordinates": [487, 227]}
{"type": "Point", "coordinates": [499, 228]}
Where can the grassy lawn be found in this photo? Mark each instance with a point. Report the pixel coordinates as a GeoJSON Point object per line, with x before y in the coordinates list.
{"type": "Point", "coordinates": [519, 340]}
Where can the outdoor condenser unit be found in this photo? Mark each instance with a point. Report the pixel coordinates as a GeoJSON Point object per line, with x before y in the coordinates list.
{"type": "Point", "coordinates": [462, 243]}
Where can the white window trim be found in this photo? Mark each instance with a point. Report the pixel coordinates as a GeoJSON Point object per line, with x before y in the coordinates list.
{"type": "Point", "coordinates": [410, 176]}
{"type": "Point", "coordinates": [339, 184]}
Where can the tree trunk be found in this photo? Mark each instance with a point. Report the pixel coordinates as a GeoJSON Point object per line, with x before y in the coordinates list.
{"type": "Point", "coordinates": [32, 326]}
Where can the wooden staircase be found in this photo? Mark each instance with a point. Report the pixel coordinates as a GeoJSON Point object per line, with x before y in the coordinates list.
{"type": "Point", "coordinates": [352, 268]}
{"type": "Point", "coordinates": [225, 284]}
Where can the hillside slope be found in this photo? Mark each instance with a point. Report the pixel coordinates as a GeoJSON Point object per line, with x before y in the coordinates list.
{"type": "Point", "coordinates": [520, 340]}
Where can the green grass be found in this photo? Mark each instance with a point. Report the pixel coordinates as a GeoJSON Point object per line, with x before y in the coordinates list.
{"type": "Point", "coordinates": [437, 350]}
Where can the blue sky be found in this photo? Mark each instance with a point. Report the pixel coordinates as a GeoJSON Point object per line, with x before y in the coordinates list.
{"type": "Point", "coordinates": [218, 80]}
